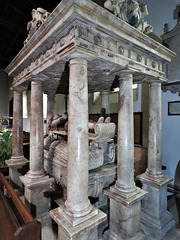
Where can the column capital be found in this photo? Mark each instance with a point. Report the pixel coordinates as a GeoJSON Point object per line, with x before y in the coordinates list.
{"type": "Point", "coordinates": [155, 84]}
{"type": "Point", "coordinates": [78, 60]}
{"type": "Point", "coordinates": [15, 91]}
{"type": "Point", "coordinates": [125, 74]}
{"type": "Point", "coordinates": [105, 92]}
{"type": "Point", "coordinates": [36, 82]}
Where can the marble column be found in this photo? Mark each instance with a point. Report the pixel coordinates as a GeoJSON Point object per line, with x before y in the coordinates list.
{"type": "Point", "coordinates": [105, 103]}
{"type": "Point", "coordinates": [157, 221]}
{"type": "Point", "coordinates": [17, 160]}
{"type": "Point", "coordinates": [77, 203]}
{"type": "Point", "coordinates": [36, 132]}
{"type": "Point", "coordinates": [155, 132]}
{"type": "Point", "coordinates": [125, 197]}
{"type": "Point", "coordinates": [79, 215]}
{"type": "Point", "coordinates": [50, 110]}
{"type": "Point", "coordinates": [125, 148]}
{"type": "Point", "coordinates": [36, 181]}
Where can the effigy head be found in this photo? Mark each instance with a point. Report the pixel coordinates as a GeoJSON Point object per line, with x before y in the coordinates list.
{"type": "Point", "coordinates": [130, 11]}
{"type": "Point", "coordinates": [133, 13]}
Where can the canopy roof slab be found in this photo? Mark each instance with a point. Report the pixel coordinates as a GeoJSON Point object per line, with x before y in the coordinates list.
{"type": "Point", "coordinates": [84, 29]}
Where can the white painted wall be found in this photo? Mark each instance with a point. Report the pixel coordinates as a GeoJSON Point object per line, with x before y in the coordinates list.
{"type": "Point", "coordinates": [170, 135]}
{"type": "Point", "coordinates": [58, 109]}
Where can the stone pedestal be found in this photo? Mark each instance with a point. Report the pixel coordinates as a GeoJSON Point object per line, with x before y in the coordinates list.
{"type": "Point", "coordinates": [16, 169]}
{"type": "Point", "coordinates": [86, 230]}
{"type": "Point", "coordinates": [125, 216]}
{"type": "Point", "coordinates": [125, 197]}
{"type": "Point", "coordinates": [157, 221]}
{"type": "Point", "coordinates": [17, 160]}
{"type": "Point", "coordinates": [38, 203]}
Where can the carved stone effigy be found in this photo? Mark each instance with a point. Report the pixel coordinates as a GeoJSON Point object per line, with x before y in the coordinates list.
{"type": "Point", "coordinates": [101, 153]}
{"type": "Point", "coordinates": [39, 16]}
{"type": "Point", "coordinates": [130, 11]}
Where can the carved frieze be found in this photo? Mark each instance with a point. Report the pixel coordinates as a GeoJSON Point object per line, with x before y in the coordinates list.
{"type": "Point", "coordinates": [50, 53]}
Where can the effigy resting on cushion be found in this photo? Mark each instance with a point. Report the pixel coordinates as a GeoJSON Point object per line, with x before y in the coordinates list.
{"type": "Point", "coordinates": [101, 155]}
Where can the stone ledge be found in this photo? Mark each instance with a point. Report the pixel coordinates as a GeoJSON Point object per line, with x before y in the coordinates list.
{"type": "Point", "coordinates": [115, 195]}
{"type": "Point", "coordinates": [36, 183]}
{"type": "Point", "coordinates": [77, 220]}
{"type": "Point", "coordinates": [17, 162]}
{"type": "Point", "coordinates": [109, 235]}
{"type": "Point", "coordinates": [157, 183]}
{"type": "Point", "coordinates": [71, 230]}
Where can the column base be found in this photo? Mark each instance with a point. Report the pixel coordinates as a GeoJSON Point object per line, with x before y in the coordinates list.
{"type": "Point", "coordinates": [16, 170]}
{"type": "Point", "coordinates": [77, 220]}
{"type": "Point", "coordinates": [109, 235]}
{"type": "Point", "coordinates": [46, 227]}
{"type": "Point", "coordinates": [35, 198]}
{"type": "Point", "coordinates": [125, 216]}
{"type": "Point", "coordinates": [87, 228]}
{"type": "Point", "coordinates": [36, 175]}
{"type": "Point", "coordinates": [157, 221]}
{"type": "Point", "coordinates": [157, 228]}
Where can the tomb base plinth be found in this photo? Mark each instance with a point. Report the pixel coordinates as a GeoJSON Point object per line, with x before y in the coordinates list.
{"type": "Point", "coordinates": [38, 202]}
{"type": "Point", "coordinates": [16, 165]}
{"type": "Point", "coordinates": [86, 229]}
{"type": "Point", "coordinates": [36, 199]}
{"type": "Point", "coordinates": [156, 220]}
{"type": "Point", "coordinates": [125, 216]}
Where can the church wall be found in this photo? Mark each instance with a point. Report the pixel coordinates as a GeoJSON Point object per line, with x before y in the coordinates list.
{"type": "Point", "coordinates": [59, 107]}
{"type": "Point", "coordinates": [170, 135]}
{"type": "Point", "coordinates": [4, 93]}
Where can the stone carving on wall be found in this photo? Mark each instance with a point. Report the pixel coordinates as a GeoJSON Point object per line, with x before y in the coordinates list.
{"type": "Point", "coordinates": [39, 16]}
{"type": "Point", "coordinates": [130, 11]}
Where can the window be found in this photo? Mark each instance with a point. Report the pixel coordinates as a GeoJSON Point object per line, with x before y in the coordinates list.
{"type": "Point", "coordinates": [25, 105]}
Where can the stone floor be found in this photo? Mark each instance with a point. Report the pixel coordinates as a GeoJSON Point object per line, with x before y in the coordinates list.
{"type": "Point", "coordinates": [174, 234]}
